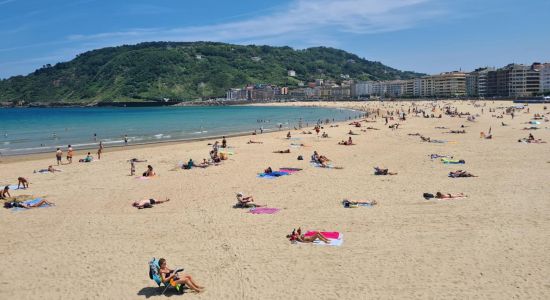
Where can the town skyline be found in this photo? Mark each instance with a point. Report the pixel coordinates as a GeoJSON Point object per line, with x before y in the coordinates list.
{"type": "Point", "coordinates": [425, 36]}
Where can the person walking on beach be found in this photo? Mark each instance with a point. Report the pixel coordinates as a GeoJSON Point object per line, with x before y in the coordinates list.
{"type": "Point", "coordinates": [125, 140]}
{"type": "Point", "coordinates": [100, 150]}
{"type": "Point", "coordinates": [70, 154]}
{"type": "Point", "coordinates": [58, 155]}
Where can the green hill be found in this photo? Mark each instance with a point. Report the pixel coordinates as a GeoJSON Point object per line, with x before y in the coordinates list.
{"type": "Point", "coordinates": [183, 71]}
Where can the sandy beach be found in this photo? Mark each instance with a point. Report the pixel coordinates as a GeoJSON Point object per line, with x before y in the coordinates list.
{"type": "Point", "coordinates": [493, 244]}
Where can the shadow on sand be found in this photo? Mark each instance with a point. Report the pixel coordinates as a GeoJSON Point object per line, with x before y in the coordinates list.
{"type": "Point", "coordinates": [156, 291]}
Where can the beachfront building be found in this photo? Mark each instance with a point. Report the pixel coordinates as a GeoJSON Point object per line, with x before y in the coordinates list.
{"type": "Point", "coordinates": [514, 80]}
{"type": "Point", "coordinates": [449, 84]}
{"type": "Point", "coordinates": [545, 78]}
{"type": "Point", "coordinates": [476, 82]}
{"type": "Point", "coordinates": [524, 81]}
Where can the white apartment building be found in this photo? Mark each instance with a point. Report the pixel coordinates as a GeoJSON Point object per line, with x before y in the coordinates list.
{"type": "Point", "coordinates": [545, 78]}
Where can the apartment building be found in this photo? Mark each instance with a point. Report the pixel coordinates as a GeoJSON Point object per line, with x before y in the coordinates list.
{"type": "Point", "coordinates": [450, 84]}
{"type": "Point", "coordinates": [545, 78]}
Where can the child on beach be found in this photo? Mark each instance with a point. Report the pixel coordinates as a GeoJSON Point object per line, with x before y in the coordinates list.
{"type": "Point", "coordinates": [21, 181]}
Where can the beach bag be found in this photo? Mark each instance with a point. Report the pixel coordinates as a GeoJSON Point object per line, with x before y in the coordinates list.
{"type": "Point", "coordinates": [428, 195]}
{"type": "Point", "coordinates": [300, 157]}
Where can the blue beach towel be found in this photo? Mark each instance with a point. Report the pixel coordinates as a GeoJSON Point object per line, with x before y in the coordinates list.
{"type": "Point", "coordinates": [30, 202]}
{"type": "Point", "coordinates": [273, 175]}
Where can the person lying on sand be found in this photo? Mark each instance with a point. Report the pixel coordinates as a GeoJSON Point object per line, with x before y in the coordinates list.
{"type": "Point", "coordinates": [349, 142]}
{"type": "Point", "coordinates": [308, 132]}
{"type": "Point", "coordinates": [457, 131]}
{"type": "Point", "coordinates": [147, 203]}
{"type": "Point", "coordinates": [22, 181]}
{"type": "Point", "coordinates": [203, 164]}
{"type": "Point", "coordinates": [167, 275]}
{"type": "Point", "coordinates": [440, 195]}
{"type": "Point", "coordinates": [347, 203]}
{"type": "Point", "coordinates": [50, 169]}
{"type": "Point", "coordinates": [149, 172]}
{"type": "Point", "coordinates": [378, 171]}
{"type": "Point", "coordinates": [27, 206]}
{"type": "Point", "coordinates": [254, 142]}
{"type": "Point", "coordinates": [248, 201]}
{"type": "Point", "coordinates": [352, 133]}
{"type": "Point", "coordinates": [297, 236]}
{"type": "Point", "coordinates": [425, 139]}
{"type": "Point", "coordinates": [137, 160]}
{"type": "Point", "coordinates": [460, 173]}
{"type": "Point", "coordinates": [415, 134]}
{"type": "Point", "coordinates": [282, 151]}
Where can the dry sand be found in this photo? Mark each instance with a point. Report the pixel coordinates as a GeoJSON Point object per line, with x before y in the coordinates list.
{"type": "Point", "coordinates": [495, 244]}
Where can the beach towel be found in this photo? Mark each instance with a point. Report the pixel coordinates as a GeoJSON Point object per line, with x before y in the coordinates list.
{"type": "Point", "coordinates": [14, 187]}
{"type": "Point", "coordinates": [358, 205]}
{"type": "Point", "coordinates": [228, 152]}
{"type": "Point", "coordinates": [273, 175]}
{"type": "Point", "coordinates": [438, 141]}
{"type": "Point", "coordinates": [452, 161]}
{"type": "Point", "coordinates": [145, 177]}
{"type": "Point", "coordinates": [263, 210]}
{"type": "Point", "coordinates": [318, 165]}
{"type": "Point", "coordinates": [335, 238]}
{"type": "Point", "coordinates": [290, 170]}
{"type": "Point", "coordinates": [327, 234]}
{"type": "Point", "coordinates": [435, 156]}
{"type": "Point", "coordinates": [30, 202]}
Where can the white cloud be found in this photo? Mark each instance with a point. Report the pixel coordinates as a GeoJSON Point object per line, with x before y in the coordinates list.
{"type": "Point", "coordinates": [6, 2]}
{"type": "Point", "coordinates": [302, 19]}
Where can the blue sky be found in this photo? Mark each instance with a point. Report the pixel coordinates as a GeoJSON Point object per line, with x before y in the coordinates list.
{"type": "Point", "coordinates": [429, 36]}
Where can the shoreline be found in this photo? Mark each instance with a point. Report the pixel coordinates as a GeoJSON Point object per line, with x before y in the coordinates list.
{"type": "Point", "coordinates": [121, 146]}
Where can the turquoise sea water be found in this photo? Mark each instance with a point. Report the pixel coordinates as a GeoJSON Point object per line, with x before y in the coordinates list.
{"type": "Point", "coordinates": [34, 130]}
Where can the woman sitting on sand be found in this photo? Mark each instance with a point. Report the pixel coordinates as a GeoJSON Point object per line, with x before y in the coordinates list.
{"type": "Point", "coordinates": [167, 275]}
{"type": "Point", "coordinates": [460, 173]}
{"type": "Point", "coordinates": [282, 151]}
{"type": "Point", "coordinates": [27, 206]}
{"type": "Point", "coordinates": [5, 192]}
{"type": "Point", "coordinates": [88, 158]}
{"type": "Point", "coordinates": [243, 201]}
{"type": "Point", "coordinates": [149, 172]}
{"type": "Point", "coordinates": [297, 236]}
{"type": "Point", "coordinates": [378, 171]}
{"type": "Point", "coordinates": [324, 135]}
{"type": "Point", "coordinates": [147, 203]}
{"type": "Point", "coordinates": [288, 136]}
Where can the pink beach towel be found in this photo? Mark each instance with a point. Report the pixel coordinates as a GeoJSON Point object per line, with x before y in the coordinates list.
{"type": "Point", "coordinates": [263, 210]}
{"type": "Point", "coordinates": [329, 235]}
{"type": "Point", "coordinates": [291, 171]}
